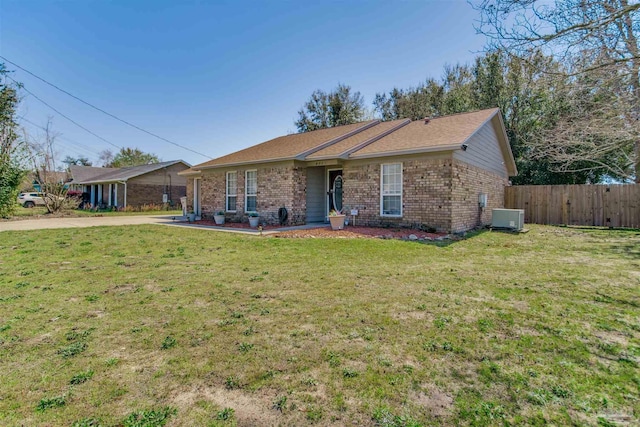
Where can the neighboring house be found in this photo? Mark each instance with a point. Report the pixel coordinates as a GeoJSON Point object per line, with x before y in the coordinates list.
{"type": "Point", "coordinates": [31, 182]}
{"type": "Point", "coordinates": [131, 186]}
{"type": "Point", "coordinates": [445, 173]}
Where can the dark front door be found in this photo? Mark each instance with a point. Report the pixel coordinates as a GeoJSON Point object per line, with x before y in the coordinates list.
{"type": "Point", "coordinates": [335, 190]}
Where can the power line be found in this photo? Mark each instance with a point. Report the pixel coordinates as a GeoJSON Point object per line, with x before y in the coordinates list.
{"type": "Point", "coordinates": [79, 145]}
{"type": "Point", "coordinates": [103, 111]}
{"type": "Point", "coordinates": [71, 120]}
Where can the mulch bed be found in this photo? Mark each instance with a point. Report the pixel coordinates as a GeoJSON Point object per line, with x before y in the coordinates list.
{"type": "Point", "coordinates": [350, 232]}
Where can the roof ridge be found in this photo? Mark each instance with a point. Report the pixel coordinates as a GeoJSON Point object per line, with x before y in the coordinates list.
{"type": "Point", "coordinates": [373, 139]}
{"type": "Point", "coordinates": [460, 113]}
{"type": "Point", "coordinates": [367, 125]}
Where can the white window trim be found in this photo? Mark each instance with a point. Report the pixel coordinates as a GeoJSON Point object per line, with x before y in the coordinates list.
{"type": "Point", "coordinates": [227, 195]}
{"type": "Point", "coordinates": [246, 194]}
{"type": "Point", "coordinates": [382, 214]}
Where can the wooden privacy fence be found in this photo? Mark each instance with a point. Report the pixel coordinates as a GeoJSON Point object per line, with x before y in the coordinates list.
{"type": "Point", "coordinates": [616, 205]}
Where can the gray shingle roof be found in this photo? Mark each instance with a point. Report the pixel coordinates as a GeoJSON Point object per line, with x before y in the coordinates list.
{"type": "Point", "coordinates": [93, 175]}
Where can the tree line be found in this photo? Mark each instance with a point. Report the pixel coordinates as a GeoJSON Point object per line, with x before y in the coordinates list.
{"type": "Point", "coordinates": [566, 76]}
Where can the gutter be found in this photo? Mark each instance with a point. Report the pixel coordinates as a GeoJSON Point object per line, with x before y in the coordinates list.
{"type": "Point", "coordinates": [254, 162]}
{"type": "Point", "coordinates": [439, 148]}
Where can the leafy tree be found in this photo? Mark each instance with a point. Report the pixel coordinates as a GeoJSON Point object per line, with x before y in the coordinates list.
{"type": "Point", "coordinates": [531, 102]}
{"type": "Point", "coordinates": [414, 103]}
{"type": "Point", "coordinates": [597, 43]}
{"type": "Point", "coordinates": [81, 161]}
{"type": "Point", "coordinates": [325, 110]}
{"type": "Point", "coordinates": [11, 171]}
{"type": "Point", "coordinates": [132, 157]}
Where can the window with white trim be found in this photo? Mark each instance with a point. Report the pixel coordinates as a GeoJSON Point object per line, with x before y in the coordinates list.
{"type": "Point", "coordinates": [250, 191]}
{"type": "Point", "coordinates": [232, 191]}
{"type": "Point", "coordinates": [391, 189]}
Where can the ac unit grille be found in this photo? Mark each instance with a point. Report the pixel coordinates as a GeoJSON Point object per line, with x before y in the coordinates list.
{"type": "Point", "coordinates": [512, 219]}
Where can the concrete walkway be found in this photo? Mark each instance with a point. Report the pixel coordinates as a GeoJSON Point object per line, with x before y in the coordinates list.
{"type": "Point", "coordinates": [99, 221]}
{"type": "Point", "coordinates": [92, 221]}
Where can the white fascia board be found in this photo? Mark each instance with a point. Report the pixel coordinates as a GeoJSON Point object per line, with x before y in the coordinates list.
{"type": "Point", "coordinates": [439, 148]}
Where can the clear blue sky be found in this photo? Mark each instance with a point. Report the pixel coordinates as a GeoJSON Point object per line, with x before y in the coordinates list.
{"type": "Point", "coordinates": [217, 76]}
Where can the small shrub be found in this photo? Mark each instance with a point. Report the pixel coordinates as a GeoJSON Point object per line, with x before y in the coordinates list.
{"type": "Point", "coordinates": [82, 377]}
{"type": "Point", "coordinates": [280, 403]}
{"type": "Point", "coordinates": [430, 346]}
{"type": "Point", "coordinates": [93, 298]}
{"type": "Point", "coordinates": [225, 415]}
{"type": "Point", "coordinates": [441, 322]}
{"type": "Point", "coordinates": [231, 383]}
{"type": "Point", "coordinates": [383, 417]}
{"type": "Point", "coordinates": [485, 325]}
{"type": "Point", "coordinates": [168, 343]}
{"type": "Point", "coordinates": [87, 422]}
{"type": "Point", "coordinates": [560, 392]}
{"type": "Point", "coordinates": [538, 397]}
{"type": "Point", "coordinates": [245, 347]}
{"type": "Point", "coordinates": [149, 418]}
{"type": "Point", "coordinates": [314, 414]}
{"type": "Point", "coordinates": [51, 402]}
{"type": "Point", "coordinates": [349, 373]}
{"type": "Point", "coordinates": [72, 349]}
{"type": "Point", "coordinates": [383, 361]}
{"type": "Point", "coordinates": [310, 382]}
{"type": "Point", "coordinates": [333, 359]}
{"type": "Point", "coordinates": [113, 361]}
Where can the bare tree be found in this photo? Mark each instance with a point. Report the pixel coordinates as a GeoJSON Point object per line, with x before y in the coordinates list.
{"type": "Point", "coordinates": [106, 157]}
{"type": "Point", "coordinates": [596, 40]}
{"type": "Point", "coordinates": [52, 182]}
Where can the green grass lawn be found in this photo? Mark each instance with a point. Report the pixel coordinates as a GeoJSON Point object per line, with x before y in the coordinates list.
{"type": "Point", "coordinates": [126, 325]}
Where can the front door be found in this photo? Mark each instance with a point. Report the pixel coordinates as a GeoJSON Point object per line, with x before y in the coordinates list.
{"type": "Point", "coordinates": [334, 190]}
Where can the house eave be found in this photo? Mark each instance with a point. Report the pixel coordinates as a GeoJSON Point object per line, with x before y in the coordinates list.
{"type": "Point", "coordinates": [437, 149]}
{"type": "Point", "coordinates": [250, 163]}
{"type": "Point", "coordinates": [109, 181]}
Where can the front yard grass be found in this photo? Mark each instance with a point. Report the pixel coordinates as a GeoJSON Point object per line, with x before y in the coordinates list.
{"type": "Point", "coordinates": [123, 325]}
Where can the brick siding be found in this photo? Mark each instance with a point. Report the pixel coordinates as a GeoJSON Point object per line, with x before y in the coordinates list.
{"type": "Point", "coordinates": [146, 194]}
{"type": "Point", "coordinates": [440, 193]}
{"type": "Point", "coordinates": [278, 186]}
{"type": "Point", "coordinates": [468, 183]}
{"type": "Point", "coordinates": [426, 192]}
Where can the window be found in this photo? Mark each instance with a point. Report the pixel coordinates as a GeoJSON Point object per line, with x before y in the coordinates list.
{"type": "Point", "coordinates": [391, 190]}
{"type": "Point", "coordinates": [250, 191]}
{"type": "Point", "coordinates": [232, 191]}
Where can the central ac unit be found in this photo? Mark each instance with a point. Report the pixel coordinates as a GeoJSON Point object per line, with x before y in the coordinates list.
{"type": "Point", "coordinates": [512, 219]}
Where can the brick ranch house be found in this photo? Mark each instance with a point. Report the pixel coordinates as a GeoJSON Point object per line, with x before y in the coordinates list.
{"type": "Point", "coordinates": [131, 186]}
{"type": "Point", "coordinates": [426, 173]}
